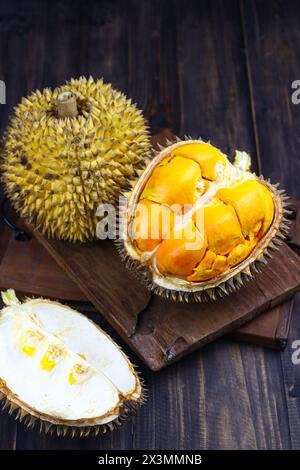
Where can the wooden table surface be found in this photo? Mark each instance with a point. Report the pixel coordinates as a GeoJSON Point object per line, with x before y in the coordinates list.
{"type": "Point", "coordinates": [219, 69]}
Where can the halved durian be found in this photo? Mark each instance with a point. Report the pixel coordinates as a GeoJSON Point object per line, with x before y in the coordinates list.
{"type": "Point", "coordinates": [236, 218]}
{"type": "Point", "coordinates": [58, 367]}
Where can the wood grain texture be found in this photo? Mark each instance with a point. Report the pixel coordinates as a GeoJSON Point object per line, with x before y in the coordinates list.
{"type": "Point", "coordinates": [227, 395]}
{"type": "Point", "coordinates": [29, 270]}
{"type": "Point", "coordinates": [270, 329]}
{"type": "Point", "coordinates": [271, 32]}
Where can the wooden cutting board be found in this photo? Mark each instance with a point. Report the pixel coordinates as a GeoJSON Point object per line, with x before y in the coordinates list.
{"type": "Point", "coordinates": [31, 270]}
{"type": "Point", "coordinates": [28, 268]}
{"type": "Point", "coordinates": [161, 331]}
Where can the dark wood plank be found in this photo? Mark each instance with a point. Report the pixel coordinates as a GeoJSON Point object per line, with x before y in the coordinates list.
{"type": "Point", "coordinates": [270, 329]}
{"type": "Point", "coordinates": [8, 432]}
{"type": "Point", "coordinates": [153, 73]}
{"type": "Point", "coordinates": [214, 88]}
{"type": "Point", "coordinates": [29, 270]}
{"type": "Point", "coordinates": [271, 33]}
{"type": "Point", "coordinates": [224, 397]}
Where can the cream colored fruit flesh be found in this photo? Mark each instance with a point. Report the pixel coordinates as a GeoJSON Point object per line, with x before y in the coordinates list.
{"type": "Point", "coordinates": [57, 364]}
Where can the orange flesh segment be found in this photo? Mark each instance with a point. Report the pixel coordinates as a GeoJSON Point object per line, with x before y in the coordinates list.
{"type": "Point", "coordinates": [211, 266]}
{"type": "Point", "coordinates": [221, 226]}
{"type": "Point", "coordinates": [269, 210]}
{"type": "Point", "coordinates": [152, 222]}
{"type": "Point", "coordinates": [239, 253]}
{"type": "Point", "coordinates": [248, 201]}
{"type": "Point", "coordinates": [206, 155]}
{"type": "Point", "coordinates": [224, 230]}
{"type": "Point", "coordinates": [182, 251]}
{"type": "Point", "coordinates": [173, 182]}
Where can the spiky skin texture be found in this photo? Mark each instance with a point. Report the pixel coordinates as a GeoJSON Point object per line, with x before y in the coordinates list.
{"type": "Point", "coordinates": [224, 222]}
{"type": "Point", "coordinates": [57, 171]}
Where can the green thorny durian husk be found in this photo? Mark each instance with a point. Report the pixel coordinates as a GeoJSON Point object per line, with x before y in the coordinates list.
{"type": "Point", "coordinates": [56, 171]}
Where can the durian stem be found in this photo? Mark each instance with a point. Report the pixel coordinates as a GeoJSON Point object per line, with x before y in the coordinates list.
{"type": "Point", "coordinates": [67, 105]}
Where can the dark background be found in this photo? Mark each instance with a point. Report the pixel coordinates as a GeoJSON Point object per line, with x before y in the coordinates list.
{"type": "Point", "coordinates": [219, 69]}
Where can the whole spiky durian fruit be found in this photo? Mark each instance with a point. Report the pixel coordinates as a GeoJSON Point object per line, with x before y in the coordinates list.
{"type": "Point", "coordinates": [69, 149]}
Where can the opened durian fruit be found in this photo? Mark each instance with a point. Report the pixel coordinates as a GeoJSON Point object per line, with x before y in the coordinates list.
{"type": "Point", "coordinates": [195, 226]}
{"type": "Point", "coordinates": [69, 149]}
{"type": "Point", "coordinates": [59, 369]}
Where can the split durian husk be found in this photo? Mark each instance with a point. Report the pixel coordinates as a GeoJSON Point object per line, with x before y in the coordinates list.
{"type": "Point", "coordinates": [195, 226]}
{"type": "Point", "coordinates": [60, 370]}
{"type": "Point", "coordinates": [69, 149]}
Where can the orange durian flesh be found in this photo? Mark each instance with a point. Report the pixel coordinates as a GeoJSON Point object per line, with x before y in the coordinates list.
{"type": "Point", "coordinates": [181, 251]}
{"type": "Point", "coordinates": [269, 210]}
{"type": "Point", "coordinates": [248, 201]}
{"type": "Point", "coordinates": [210, 266]}
{"type": "Point", "coordinates": [222, 227]}
{"type": "Point", "coordinates": [151, 223]}
{"type": "Point", "coordinates": [206, 155]}
{"type": "Point", "coordinates": [173, 182]}
{"type": "Point", "coordinates": [240, 252]}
